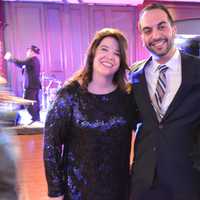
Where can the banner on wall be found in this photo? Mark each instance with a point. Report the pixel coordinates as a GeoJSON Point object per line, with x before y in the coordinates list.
{"type": "Point", "coordinates": [2, 69]}
{"type": "Point", "coordinates": [1, 55]}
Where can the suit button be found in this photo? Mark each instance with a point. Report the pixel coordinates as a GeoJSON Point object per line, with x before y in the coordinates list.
{"type": "Point", "coordinates": [154, 148]}
{"type": "Point", "coordinates": [160, 126]}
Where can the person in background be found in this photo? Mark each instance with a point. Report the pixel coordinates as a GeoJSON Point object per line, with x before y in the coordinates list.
{"type": "Point", "coordinates": [167, 92]}
{"type": "Point", "coordinates": [8, 171]}
{"type": "Point", "coordinates": [87, 133]}
{"type": "Point", "coordinates": [32, 85]}
{"type": "Point", "coordinates": [8, 153]}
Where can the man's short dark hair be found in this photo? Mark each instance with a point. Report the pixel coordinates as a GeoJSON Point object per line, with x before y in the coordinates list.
{"type": "Point", "coordinates": [154, 6]}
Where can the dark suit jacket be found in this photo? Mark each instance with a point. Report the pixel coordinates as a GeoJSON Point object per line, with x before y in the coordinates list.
{"type": "Point", "coordinates": [169, 149]}
{"type": "Point", "coordinates": [31, 72]}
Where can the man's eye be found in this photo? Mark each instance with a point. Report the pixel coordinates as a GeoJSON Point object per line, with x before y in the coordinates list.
{"type": "Point", "coordinates": [162, 27]}
{"type": "Point", "coordinates": [147, 31]}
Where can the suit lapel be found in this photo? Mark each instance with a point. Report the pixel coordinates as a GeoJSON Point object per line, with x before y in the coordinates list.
{"type": "Point", "coordinates": [142, 96]}
{"type": "Point", "coordinates": [187, 76]}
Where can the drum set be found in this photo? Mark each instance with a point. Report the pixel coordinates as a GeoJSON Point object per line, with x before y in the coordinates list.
{"type": "Point", "coordinates": [50, 86]}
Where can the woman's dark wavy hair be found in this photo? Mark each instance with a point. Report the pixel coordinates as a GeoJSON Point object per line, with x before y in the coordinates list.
{"type": "Point", "coordinates": [84, 76]}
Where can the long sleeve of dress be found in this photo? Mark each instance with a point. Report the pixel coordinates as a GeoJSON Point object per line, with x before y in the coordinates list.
{"type": "Point", "coordinates": [55, 133]}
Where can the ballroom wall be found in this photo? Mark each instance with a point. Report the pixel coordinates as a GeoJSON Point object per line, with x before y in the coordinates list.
{"type": "Point", "coordinates": [63, 32]}
{"type": "Point", "coordinates": [2, 69]}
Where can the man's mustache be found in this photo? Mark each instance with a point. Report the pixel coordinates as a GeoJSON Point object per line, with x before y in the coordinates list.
{"type": "Point", "coordinates": [158, 40]}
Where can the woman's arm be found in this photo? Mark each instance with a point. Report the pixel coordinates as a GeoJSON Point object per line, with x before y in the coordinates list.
{"type": "Point", "coordinates": [57, 121]}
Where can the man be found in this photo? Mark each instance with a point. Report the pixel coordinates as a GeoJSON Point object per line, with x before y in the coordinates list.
{"type": "Point", "coordinates": [167, 90]}
{"type": "Point", "coordinates": [31, 71]}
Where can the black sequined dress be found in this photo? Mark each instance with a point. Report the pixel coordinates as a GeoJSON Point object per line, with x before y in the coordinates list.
{"type": "Point", "coordinates": [87, 144]}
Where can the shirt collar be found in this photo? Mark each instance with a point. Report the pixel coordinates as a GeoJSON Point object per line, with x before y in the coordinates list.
{"type": "Point", "coordinates": [171, 64]}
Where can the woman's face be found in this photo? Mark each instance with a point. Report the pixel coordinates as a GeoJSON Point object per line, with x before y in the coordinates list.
{"type": "Point", "coordinates": [107, 58]}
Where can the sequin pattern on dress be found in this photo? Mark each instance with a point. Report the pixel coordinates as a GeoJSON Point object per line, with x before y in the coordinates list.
{"type": "Point", "coordinates": [87, 144]}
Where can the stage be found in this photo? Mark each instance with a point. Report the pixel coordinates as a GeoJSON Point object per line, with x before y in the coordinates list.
{"type": "Point", "coordinates": [23, 125]}
{"type": "Point", "coordinates": [26, 129]}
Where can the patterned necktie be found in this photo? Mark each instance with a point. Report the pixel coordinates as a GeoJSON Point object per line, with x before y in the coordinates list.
{"type": "Point", "coordinates": [160, 90]}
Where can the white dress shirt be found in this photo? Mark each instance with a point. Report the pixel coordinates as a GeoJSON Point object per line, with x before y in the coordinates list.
{"type": "Point", "coordinates": [173, 76]}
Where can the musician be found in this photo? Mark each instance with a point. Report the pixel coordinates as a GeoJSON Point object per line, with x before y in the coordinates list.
{"type": "Point", "coordinates": [31, 73]}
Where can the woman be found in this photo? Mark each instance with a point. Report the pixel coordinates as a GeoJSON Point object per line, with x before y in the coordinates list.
{"type": "Point", "coordinates": [88, 129]}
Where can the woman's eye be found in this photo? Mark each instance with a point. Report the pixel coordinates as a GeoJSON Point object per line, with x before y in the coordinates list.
{"type": "Point", "coordinates": [104, 49]}
{"type": "Point", "coordinates": [117, 54]}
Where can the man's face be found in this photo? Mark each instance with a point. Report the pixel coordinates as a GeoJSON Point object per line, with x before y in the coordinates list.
{"type": "Point", "coordinates": [157, 33]}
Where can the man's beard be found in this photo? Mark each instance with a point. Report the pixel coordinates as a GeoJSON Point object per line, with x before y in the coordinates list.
{"type": "Point", "coordinates": [161, 53]}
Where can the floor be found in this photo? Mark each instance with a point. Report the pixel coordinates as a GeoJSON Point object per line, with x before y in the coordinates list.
{"type": "Point", "coordinates": [25, 117]}
{"type": "Point", "coordinates": [32, 183]}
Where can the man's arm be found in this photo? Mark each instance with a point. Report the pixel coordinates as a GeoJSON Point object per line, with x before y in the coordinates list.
{"type": "Point", "coordinates": [197, 153]}
{"type": "Point", "coordinates": [17, 62]}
